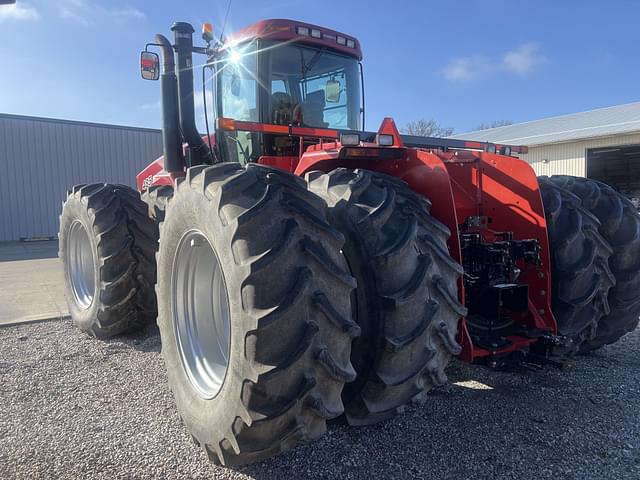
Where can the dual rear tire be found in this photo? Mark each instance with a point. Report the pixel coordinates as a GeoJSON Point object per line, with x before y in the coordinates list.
{"type": "Point", "coordinates": [595, 241]}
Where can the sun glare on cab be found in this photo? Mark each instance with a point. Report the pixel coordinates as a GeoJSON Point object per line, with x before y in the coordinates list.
{"type": "Point", "coordinates": [235, 56]}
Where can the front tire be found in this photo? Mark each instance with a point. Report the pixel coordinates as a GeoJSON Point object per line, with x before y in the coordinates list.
{"type": "Point", "coordinates": [107, 248]}
{"type": "Point", "coordinates": [407, 295]}
{"type": "Point", "coordinates": [287, 296]}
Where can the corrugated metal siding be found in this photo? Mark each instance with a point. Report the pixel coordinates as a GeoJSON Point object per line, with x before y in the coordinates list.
{"type": "Point", "coordinates": [42, 158]}
{"type": "Point", "coordinates": [570, 158]}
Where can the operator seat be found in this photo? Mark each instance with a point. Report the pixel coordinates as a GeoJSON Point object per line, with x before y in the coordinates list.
{"type": "Point", "coordinates": [313, 109]}
{"type": "Point", "coordinates": [281, 108]}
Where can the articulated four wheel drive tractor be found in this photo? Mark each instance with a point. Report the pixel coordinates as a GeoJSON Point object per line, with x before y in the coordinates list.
{"type": "Point", "coordinates": [303, 269]}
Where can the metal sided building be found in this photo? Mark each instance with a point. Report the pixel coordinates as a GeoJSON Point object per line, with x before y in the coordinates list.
{"type": "Point", "coordinates": [602, 144]}
{"type": "Point", "coordinates": [42, 157]}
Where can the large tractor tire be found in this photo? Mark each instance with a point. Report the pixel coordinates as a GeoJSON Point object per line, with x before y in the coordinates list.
{"type": "Point", "coordinates": [620, 227]}
{"type": "Point", "coordinates": [406, 299]}
{"type": "Point", "coordinates": [580, 273]}
{"type": "Point", "coordinates": [156, 199]}
{"type": "Point", "coordinates": [254, 311]}
{"type": "Point", "coordinates": [107, 247]}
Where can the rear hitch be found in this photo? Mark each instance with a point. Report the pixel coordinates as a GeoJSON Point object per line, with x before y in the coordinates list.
{"type": "Point", "coordinates": [518, 360]}
{"type": "Point", "coordinates": [548, 350]}
{"type": "Point", "coordinates": [554, 350]}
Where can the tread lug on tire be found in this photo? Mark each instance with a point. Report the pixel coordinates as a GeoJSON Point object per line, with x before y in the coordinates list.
{"type": "Point", "coordinates": [288, 294]}
{"type": "Point", "coordinates": [107, 247]}
{"type": "Point", "coordinates": [580, 272]}
{"type": "Point", "coordinates": [620, 227]}
{"type": "Point", "coordinates": [156, 199]}
{"type": "Point", "coordinates": [406, 299]}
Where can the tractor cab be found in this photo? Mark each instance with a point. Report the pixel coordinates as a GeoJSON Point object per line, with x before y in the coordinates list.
{"type": "Point", "coordinates": [284, 73]}
{"type": "Point", "coordinates": [279, 86]}
{"type": "Point", "coordinates": [282, 89]}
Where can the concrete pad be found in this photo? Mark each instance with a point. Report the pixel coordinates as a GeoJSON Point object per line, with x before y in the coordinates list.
{"type": "Point", "coordinates": [31, 283]}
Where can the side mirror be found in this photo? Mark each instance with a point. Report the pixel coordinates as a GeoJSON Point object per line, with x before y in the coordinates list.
{"type": "Point", "coordinates": [332, 90]}
{"type": "Point", "coordinates": [150, 65]}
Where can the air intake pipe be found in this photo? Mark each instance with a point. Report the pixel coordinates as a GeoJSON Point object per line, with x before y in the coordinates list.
{"type": "Point", "coordinates": [174, 161]}
{"type": "Point", "coordinates": [199, 152]}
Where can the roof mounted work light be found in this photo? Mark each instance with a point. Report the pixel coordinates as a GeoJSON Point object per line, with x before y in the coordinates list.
{"type": "Point", "coordinates": [349, 139]}
{"type": "Point", "coordinates": [384, 140]}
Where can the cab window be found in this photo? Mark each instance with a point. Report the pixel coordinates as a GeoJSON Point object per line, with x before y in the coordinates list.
{"type": "Point", "coordinates": [238, 99]}
{"type": "Point", "coordinates": [238, 86]}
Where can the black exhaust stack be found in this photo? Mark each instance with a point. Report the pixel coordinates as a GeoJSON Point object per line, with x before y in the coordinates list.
{"type": "Point", "coordinates": [199, 152]}
{"type": "Point", "coordinates": [174, 160]}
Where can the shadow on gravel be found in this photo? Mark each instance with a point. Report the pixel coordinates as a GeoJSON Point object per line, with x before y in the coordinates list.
{"type": "Point", "coordinates": [488, 424]}
{"type": "Point", "coordinates": [145, 340]}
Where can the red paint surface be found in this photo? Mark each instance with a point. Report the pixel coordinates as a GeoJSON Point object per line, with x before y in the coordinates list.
{"type": "Point", "coordinates": [462, 184]}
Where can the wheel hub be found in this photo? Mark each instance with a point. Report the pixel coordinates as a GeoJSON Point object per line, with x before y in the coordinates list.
{"type": "Point", "coordinates": [81, 260]}
{"type": "Point", "coordinates": [201, 317]}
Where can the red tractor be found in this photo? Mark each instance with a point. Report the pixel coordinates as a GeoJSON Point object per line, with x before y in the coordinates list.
{"type": "Point", "coordinates": [302, 269]}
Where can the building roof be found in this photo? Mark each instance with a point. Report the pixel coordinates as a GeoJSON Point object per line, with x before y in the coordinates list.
{"type": "Point", "coordinates": [620, 119]}
{"type": "Point", "coordinates": [12, 116]}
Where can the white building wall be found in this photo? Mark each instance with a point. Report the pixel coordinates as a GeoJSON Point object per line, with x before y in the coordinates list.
{"type": "Point", "coordinates": [570, 158]}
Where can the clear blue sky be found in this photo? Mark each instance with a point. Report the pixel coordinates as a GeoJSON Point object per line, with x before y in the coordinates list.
{"type": "Point", "coordinates": [459, 62]}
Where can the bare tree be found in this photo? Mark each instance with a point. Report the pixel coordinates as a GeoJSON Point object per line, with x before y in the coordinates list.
{"type": "Point", "coordinates": [494, 124]}
{"type": "Point", "coordinates": [427, 128]}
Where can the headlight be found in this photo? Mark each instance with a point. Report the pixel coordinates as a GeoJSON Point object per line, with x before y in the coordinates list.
{"type": "Point", "coordinates": [350, 139]}
{"type": "Point", "coordinates": [384, 140]}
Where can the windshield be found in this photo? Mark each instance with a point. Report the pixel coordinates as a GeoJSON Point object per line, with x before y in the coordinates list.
{"type": "Point", "coordinates": [321, 87]}
{"type": "Point", "coordinates": [298, 84]}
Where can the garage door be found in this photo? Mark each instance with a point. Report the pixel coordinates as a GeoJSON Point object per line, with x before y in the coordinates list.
{"type": "Point", "coordinates": [618, 167]}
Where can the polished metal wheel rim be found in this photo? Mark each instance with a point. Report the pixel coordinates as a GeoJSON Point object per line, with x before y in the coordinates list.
{"type": "Point", "coordinates": [81, 262]}
{"type": "Point", "coordinates": [201, 317]}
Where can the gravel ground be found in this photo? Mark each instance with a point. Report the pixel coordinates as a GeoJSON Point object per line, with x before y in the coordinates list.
{"type": "Point", "coordinates": [75, 407]}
